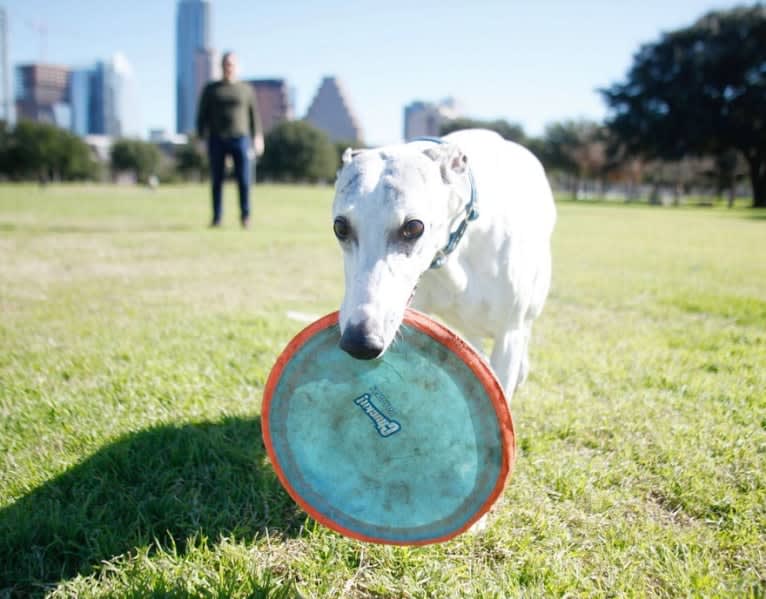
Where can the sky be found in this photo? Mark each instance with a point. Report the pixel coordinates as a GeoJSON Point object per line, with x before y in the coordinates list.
{"type": "Point", "coordinates": [531, 62]}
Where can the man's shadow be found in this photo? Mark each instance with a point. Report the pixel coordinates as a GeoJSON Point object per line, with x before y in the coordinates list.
{"type": "Point", "coordinates": [156, 487]}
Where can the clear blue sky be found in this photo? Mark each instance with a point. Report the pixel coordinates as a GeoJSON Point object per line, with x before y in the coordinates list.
{"type": "Point", "coordinates": [529, 61]}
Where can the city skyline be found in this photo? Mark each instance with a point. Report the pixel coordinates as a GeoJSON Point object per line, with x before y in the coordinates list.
{"type": "Point", "coordinates": [527, 63]}
{"type": "Point", "coordinates": [87, 100]}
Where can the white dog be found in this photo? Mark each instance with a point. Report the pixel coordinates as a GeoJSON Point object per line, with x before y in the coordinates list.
{"type": "Point", "coordinates": [467, 219]}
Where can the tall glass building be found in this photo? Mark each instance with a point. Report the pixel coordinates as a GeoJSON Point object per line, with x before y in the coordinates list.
{"type": "Point", "coordinates": [80, 99]}
{"type": "Point", "coordinates": [102, 99]}
{"type": "Point", "coordinates": [192, 35]}
{"type": "Point", "coordinates": [5, 88]}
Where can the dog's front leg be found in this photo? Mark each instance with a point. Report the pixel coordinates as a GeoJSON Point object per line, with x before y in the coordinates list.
{"type": "Point", "coordinates": [508, 355]}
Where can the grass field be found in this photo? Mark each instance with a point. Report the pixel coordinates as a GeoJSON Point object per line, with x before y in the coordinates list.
{"type": "Point", "coordinates": [135, 343]}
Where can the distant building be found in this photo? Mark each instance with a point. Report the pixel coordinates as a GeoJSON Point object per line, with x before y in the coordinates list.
{"type": "Point", "coordinates": [331, 112]}
{"type": "Point", "coordinates": [274, 105]}
{"type": "Point", "coordinates": [100, 145]}
{"type": "Point", "coordinates": [192, 59]}
{"type": "Point", "coordinates": [80, 100]}
{"type": "Point", "coordinates": [207, 67]}
{"type": "Point", "coordinates": [5, 91]}
{"type": "Point", "coordinates": [161, 136]}
{"type": "Point", "coordinates": [42, 93]}
{"type": "Point", "coordinates": [125, 119]}
{"type": "Point", "coordinates": [426, 118]}
{"type": "Point", "coordinates": [167, 143]}
{"type": "Point", "coordinates": [102, 99]}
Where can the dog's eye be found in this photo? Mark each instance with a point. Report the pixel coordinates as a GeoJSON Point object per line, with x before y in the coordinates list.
{"type": "Point", "coordinates": [341, 229]}
{"type": "Point", "coordinates": [412, 229]}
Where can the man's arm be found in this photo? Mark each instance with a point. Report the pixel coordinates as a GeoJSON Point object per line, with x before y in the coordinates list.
{"type": "Point", "coordinates": [202, 110]}
{"type": "Point", "coordinates": [256, 128]}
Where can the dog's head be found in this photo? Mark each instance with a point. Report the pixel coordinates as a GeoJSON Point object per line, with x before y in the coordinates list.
{"type": "Point", "coordinates": [392, 214]}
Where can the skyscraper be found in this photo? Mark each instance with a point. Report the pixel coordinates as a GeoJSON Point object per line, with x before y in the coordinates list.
{"type": "Point", "coordinates": [273, 99]}
{"type": "Point", "coordinates": [426, 118]}
{"type": "Point", "coordinates": [192, 35]}
{"type": "Point", "coordinates": [102, 99]}
{"type": "Point", "coordinates": [42, 93]}
{"type": "Point", "coordinates": [124, 118]}
{"type": "Point", "coordinates": [5, 92]}
{"type": "Point", "coordinates": [207, 66]}
{"type": "Point", "coordinates": [331, 112]}
{"type": "Point", "coordinates": [79, 97]}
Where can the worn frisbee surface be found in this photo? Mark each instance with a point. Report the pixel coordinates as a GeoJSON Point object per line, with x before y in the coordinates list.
{"type": "Point", "coordinates": [408, 449]}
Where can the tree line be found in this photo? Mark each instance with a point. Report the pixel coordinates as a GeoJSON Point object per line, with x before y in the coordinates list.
{"type": "Point", "coordinates": [690, 112]}
{"type": "Point", "coordinates": [576, 155]}
{"type": "Point", "coordinates": [295, 152]}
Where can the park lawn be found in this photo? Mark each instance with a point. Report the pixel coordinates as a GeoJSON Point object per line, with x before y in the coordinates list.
{"type": "Point", "coordinates": [135, 344]}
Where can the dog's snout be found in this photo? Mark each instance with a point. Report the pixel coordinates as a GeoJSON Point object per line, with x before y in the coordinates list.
{"type": "Point", "coordinates": [360, 343]}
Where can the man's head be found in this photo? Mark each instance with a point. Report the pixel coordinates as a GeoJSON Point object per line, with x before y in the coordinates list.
{"type": "Point", "coordinates": [229, 66]}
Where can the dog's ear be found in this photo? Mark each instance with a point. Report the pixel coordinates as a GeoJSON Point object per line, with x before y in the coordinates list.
{"type": "Point", "coordinates": [348, 155]}
{"type": "Point", "coordinates": [452, 161]}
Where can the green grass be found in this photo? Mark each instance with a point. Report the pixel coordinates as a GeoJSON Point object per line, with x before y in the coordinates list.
{"type": "Point", "coordinates": [135, 343]}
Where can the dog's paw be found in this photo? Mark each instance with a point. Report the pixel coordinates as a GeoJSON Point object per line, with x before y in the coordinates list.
{"type": "Point", "coordinates": [480, 526]}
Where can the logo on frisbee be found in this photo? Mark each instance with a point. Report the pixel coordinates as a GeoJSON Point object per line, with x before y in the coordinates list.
{"type": "Point", "coordinates": [384, 425]}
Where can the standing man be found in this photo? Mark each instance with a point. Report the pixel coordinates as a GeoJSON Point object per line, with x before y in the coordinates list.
{"type": "Point", "coordinates": [228, 118]}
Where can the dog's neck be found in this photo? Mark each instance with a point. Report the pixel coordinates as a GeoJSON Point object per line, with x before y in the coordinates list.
{"type": "Point", "coordinates": [463, 210]}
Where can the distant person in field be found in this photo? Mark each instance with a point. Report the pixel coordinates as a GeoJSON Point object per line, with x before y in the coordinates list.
{"type": "Point", "coordinates": [228, 118]}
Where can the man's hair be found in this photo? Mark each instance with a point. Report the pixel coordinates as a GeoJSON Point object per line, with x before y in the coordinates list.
{"type": "Point", "coordinates": [226, 55]}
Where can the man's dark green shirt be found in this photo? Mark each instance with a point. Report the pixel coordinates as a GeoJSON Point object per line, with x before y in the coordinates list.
{"type": "Point", "coordinates": [228, 109]}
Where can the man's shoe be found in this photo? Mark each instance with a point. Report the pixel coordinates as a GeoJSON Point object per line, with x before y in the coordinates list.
{"type": "Point", "coordinates": [215, 224]}
{"type": "Point", "coordinates": [246, 222]}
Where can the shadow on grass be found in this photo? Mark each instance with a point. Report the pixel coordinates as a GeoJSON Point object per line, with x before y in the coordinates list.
{"type": "Point", "coordinates": [157, 487]}
{"type": "Point", "coordinates": [96, 228]}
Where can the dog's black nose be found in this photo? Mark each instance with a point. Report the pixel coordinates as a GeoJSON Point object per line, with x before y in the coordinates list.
{"type": "Point", "coordinates": [360, 343]}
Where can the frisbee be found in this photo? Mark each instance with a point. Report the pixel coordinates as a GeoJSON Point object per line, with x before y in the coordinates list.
{"type": "Point", "coordinates": [407, 449]}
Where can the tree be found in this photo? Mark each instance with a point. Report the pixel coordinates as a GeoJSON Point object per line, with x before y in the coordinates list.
{"type": "Point", "coordinates": [510, 131]}
{"type": "Point", "coordinates": [140, 157]}
{"type": "Point", "coordinates": [677, 176]}
{"type": "Point", "coordinates": [577, 148]}
{"type": "Point", "coordinates": [43, 152]}
{"type": "Point", "coordinates": [628, 172]}
{"type": "Point", "coordinates": [6, 136]}
{"type": "Point", "coordinates": [699, 90]}
{"type": "Point", "coordinates": [297, 151]}
{"type": "Point", "coordinates": [727, 171]}
{"type": "Point", "coordinates": [191, 162]}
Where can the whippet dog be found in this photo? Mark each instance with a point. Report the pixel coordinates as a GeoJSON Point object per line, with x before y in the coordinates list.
{"type": "Point", "coordinates": [461, 227]}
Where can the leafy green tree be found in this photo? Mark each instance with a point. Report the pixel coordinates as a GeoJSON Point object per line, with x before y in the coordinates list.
{"type": "Point", "coordinates": [297, 151]}
{"type": "Point", "coordinates": [576, 148]}
{"type": "Point", "coordinates": [139, 157]}
{"type": "Point", "coordinates": [44, 152]}
{"type": "Point", "coordinates": [75, 159]}
{"type": "Point", "coordinates": [510, 131]}
{"type": "Point", "coordinates": [191, 161]}
{"type": "Point", "coordinates": [699, 90]}
{"type": "Point", "coordinates": [727, 171]}
{"type": "Point", "coordinates": [6, 137]}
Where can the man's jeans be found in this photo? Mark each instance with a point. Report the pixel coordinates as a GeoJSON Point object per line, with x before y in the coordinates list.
{"type": "Point", "coordinates": [237, 148]}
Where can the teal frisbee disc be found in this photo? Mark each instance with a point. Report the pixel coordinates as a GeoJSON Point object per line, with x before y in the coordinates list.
{"type": "Point", "coordinates": [408, 449]}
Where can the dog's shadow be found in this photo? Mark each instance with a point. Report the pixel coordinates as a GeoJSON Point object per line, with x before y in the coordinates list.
{"type": "Point", "coordinates": [157, 487]}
